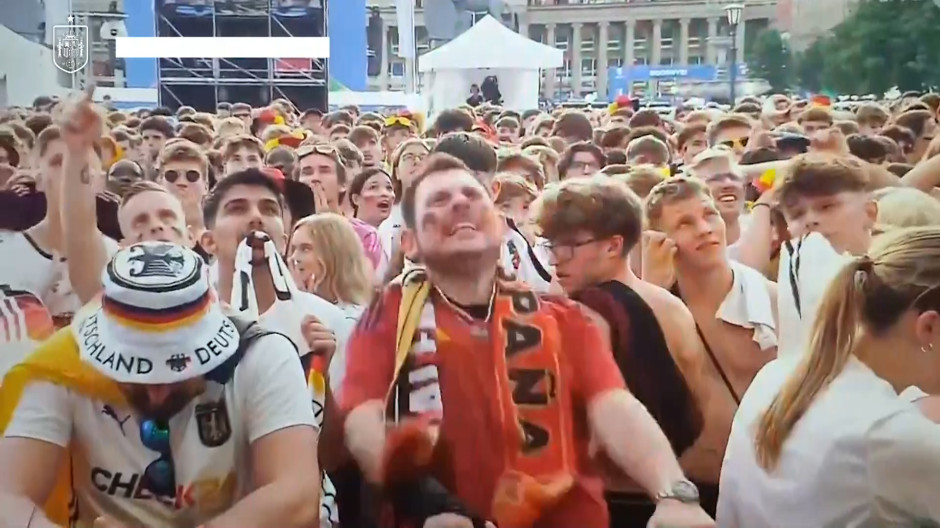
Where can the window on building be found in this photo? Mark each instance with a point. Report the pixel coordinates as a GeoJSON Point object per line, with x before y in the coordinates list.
{"type": "Point", "coordinates": [396, 69]}
{"type": "Point", "coordinates": [668, 60]}
{"type": "Point", "coordinates": [640, 60]}
{"type": "Point", "coordinates": [393, 40]}
{"type": "Point", "coordinates": [588, 67]}
{"type": "Point", "coordinates": [615, 62]}
{"type": "Point", "coordinates": [587, 42]}
{"type": "Point", "coordinates": [696, 59]}
{"type": "Point", "coordinates": [614, 46]}
{"type": "Point", "coordinates": [561, 42]}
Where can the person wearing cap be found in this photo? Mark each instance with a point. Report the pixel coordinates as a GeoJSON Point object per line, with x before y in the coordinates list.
{"type": "Point", "coordinates": [154, 408]}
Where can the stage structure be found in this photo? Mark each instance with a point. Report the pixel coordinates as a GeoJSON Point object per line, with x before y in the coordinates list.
{"type": "Point", "coordinates": [203, 83]}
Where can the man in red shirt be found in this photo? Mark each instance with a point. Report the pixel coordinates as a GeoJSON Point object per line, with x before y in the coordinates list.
{"type": "Point", "coordinates": [509, 389]}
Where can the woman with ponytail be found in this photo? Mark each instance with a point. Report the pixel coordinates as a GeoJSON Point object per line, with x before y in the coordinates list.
{"type": "Point", "coordinates": [822, 439]}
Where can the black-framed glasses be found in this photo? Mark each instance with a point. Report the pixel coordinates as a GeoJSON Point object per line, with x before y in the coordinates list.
{"type": "Point", "coordinates": [564, 251]}
{"type": "Point", "coordinates": [159, 476]}
{"type": "Point", "coordinates": [192, 176]}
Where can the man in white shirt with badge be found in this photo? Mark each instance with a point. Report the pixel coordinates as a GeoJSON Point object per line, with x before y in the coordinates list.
{"type": "Point", "coordinates": [165, 411]}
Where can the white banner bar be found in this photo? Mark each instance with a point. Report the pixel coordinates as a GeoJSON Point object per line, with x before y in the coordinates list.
{"type": "Point", "coordinates": [222, 47]}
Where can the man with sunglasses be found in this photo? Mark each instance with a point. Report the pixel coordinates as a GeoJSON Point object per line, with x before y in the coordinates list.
{"type": "Point", "coordinates": [732, 132]}
{"type": "Point", "coordinates": [166, 411]}
{"type": "Point", "coordinates": [184, 171]}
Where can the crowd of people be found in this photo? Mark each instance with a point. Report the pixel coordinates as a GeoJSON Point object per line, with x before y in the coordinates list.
{"type": "Point", "coordinates": [579, 318]}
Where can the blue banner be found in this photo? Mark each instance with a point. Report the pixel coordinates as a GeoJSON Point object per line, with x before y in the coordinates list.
{"type": "Point", "coordinates": [348, 48]}
{"type": "Point", "coordinates": [620, 80]}
{"type": "Point", "coordinates": [141, 21]}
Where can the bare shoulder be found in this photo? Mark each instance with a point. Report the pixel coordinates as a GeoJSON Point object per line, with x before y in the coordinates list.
{"type": "Point", "coordinates": [669, 310]}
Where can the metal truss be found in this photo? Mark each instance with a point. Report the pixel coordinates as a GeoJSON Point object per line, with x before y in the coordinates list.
{"type": "Point", "coordinates": [175, 75]}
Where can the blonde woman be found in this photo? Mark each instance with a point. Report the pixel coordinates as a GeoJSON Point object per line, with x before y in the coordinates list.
{"type": "Point", "coordinates": [823, 439]}
{"type": "Point", "coordinates": [326, 258]}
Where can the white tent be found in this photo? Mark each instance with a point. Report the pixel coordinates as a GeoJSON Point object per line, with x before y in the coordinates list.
{"type": "Point", "coordinates": [487, 48]}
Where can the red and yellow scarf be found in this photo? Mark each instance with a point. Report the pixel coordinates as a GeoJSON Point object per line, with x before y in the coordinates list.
{"type": "Point", "coordinates": [533, 397]}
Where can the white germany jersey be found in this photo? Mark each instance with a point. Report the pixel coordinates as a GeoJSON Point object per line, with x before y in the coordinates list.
{"type": "Point", "coordinates": [210, 440]}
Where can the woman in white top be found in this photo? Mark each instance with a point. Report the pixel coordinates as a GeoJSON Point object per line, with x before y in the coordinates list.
{"type": "Point", "coordinates": [822, 440]}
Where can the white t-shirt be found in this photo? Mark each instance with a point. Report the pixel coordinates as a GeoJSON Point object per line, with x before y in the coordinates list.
{"type": "Point", "coordinates": [34, 289]}
{"type": "Point", "coordinates": [286, 318]}
{"type": "Point", "coordinates": [389, 230]}
{"type": "Point", "coordinates": [210, 440]}
{"type": "Point", "coordinates": [860, 457]}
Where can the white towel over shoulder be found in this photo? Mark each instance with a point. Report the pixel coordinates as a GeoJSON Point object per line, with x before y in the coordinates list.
{"type": "Point", "coordinates": [807, 266]}
{"type": "Point", "coordinates": [749, 305]}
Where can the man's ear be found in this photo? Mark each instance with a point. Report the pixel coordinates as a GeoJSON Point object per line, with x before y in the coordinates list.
{"type": "Point", "coordinates": [409, 244]}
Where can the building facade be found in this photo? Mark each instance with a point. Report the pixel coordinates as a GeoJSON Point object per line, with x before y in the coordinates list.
{"type": "Point", "coordinates": [597, 35]}
{"type": "Point", "coordinates": [808, 20]}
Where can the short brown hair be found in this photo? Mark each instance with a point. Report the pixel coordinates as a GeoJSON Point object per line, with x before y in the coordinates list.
{"type": "Point", "coordinates": [361, 134]}
{"type": "Point", "coordinates": [533, 141]}
{"type": "Point", "coordinates": [872, 115]}
{"type": "Point", "coordinates": [232, 144]}
{"type": "Point", "coordinates": [820, 175]}
{"type": "Point", "coordinates": [816, 114]}
{"type": "Point", "coordinates": [184, 150]}
{"type": "Point", "coordinates": [38, 122]}
{"type": "Point", "coordinates": [640, 180]}
{"type": "Point", "coordinates": [141, 187]}
{"type": "Point", "coordinates": [511, 185]}
{"type": "Point", "coordinates": [724, 123]}
{"type": "Point", "coordinates": [657, 133]}
{"type": "Point", "coordinates": [867, 148]}
{"type": "Point", "coordinates": [600, 205]}
{"type": "Point", "coordinates": [915, 120]}
{"type": "Point", "coordinates": [158, 123]}
{"type": "Point", "coordinates": [650, 147]}
{"type": "Point", "coordinates": [688, 132]}
{"type": "Point", "coordinates": [568, 156]}
{"type": "Point", "coordinates": [531, 170]}
{"type": "Point", "coordinates": [348, 151]}
{"type": "Point", "coordinates": [847, 127]}
{"type": "Point", "coordinates": [615, 137]}
{"type": "Point", "coordinates": [575, 125]}
{"type": "Point", "coordinates": [471, 149]}
{"type": "Point", "coordinates": [668, 192]}
{"type": "Point", "coordinates": [435, 163]}
{"type": "Point", "coordinates": [196, 133]}
{"type": "Point", "coordinates": [647, 117]}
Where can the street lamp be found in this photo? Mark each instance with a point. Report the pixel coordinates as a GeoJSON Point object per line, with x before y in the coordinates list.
{"type": "Point", "coordinates": [734, 12]}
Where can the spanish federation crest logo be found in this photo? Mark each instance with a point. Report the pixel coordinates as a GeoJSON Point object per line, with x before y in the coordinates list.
{"type": "Point", "coordinates": [70, 46]}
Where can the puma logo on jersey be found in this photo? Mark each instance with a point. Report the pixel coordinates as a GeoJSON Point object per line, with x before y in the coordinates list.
{"type": "Point", "coordinates": [109, 412]}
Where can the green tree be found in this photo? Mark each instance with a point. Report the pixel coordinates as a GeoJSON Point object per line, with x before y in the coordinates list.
{"type": "Point", "coordinates": [770, 58]}
{"type": "Point", "coordinates": [884, 43]}
{"type": "Point", "coordinates": [810, 65]}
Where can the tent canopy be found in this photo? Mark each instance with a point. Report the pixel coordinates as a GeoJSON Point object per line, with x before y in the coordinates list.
{"type": "Point", "coordinates": [491, 45]}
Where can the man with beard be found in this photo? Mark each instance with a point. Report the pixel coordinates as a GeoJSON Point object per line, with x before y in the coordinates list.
{"type": "Point", "coordinates": [464, 378]}
{"type": "Point", "coordinates": [97, 414]}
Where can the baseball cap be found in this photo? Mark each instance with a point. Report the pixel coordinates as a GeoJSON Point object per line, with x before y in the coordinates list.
{"type": "Point", "coordinates": [159, 321]}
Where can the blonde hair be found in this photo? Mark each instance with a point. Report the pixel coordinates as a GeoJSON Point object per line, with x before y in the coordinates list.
{"type": "Point", "coordinates": [230, 126]}
{"type": "Point", "coordinates": [906, 207]}
{"type": "Point", "coordinates": [345, 275]}
{"type": "Point", "coordinates": [670, 191]}
{"type": "Point", "coordinates": [868, 295]}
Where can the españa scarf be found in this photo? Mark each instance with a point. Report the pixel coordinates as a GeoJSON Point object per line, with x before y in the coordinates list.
{"type": "Point", "coordinates": [526, 350]}
{"type": "Point", "coordinates": [57, 361]}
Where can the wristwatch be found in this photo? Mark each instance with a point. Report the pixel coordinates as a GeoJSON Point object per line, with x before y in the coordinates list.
{"type": "Point", "coordinates": [681, 490]}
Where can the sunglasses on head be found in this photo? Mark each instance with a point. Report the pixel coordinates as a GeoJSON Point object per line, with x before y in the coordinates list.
{"type": "Point", "coordinates": [192, 176]}
{"type": "Point", "coordinates": [324, 149]}
{"type": "Point", "coordinates": [159, 476]}
{"type": "Point", "coordinates": [735, 143]}
{"type": "Point", "coordinates": [397, 120]}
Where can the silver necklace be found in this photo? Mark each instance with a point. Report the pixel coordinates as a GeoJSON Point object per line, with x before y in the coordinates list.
{"type": "Point", "coordinates": [478, 329]}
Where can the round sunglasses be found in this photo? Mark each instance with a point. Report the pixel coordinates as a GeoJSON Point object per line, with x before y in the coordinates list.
{"type": "Point", "coordinates": [192, 176]}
